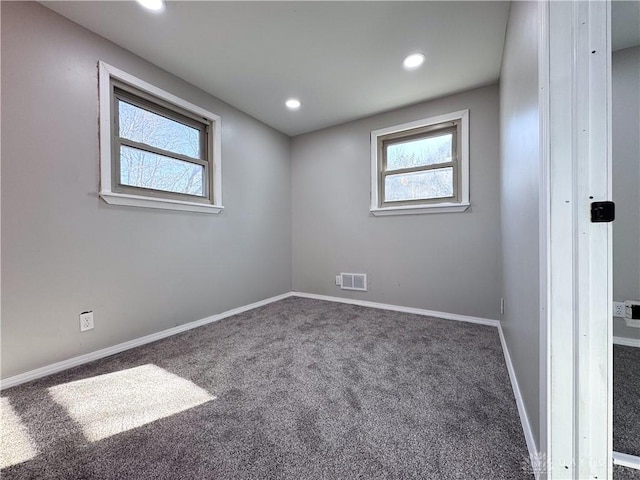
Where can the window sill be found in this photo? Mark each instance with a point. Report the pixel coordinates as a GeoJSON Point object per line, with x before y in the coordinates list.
{"type": "Point", "coordinates": [161, 203]}
{"type": "Point", "coordinates": [419, 210]}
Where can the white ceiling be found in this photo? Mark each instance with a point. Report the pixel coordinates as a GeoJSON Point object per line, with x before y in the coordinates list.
{"type": "Point", "coordinates": [625, 24]}
{"type": "Point", "coordinates": [341, 59]}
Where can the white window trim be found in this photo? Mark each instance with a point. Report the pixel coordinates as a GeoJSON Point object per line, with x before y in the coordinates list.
{"type": "Point", "coordinates": [106, 74]}
{"type": "Point", "coordinates": [463, 162]}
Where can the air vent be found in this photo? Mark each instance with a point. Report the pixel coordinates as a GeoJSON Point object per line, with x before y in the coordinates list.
{"type": "Point", "coordinates": [354, 281]}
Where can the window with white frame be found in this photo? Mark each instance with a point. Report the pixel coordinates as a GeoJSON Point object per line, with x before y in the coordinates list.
{"type": "Point", "coordinates": [156, 150]}
{"type": "Point", "coordinates": [421, 166]}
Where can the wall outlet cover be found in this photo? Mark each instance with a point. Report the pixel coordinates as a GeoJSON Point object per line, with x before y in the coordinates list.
{"type": "Point", "coordinates": [618, 309]}
{"type": "Point", "coordinates": [86, 321]}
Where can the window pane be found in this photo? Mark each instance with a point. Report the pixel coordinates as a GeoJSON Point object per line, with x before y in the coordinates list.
{"type": "Point", "coordinates": [420, 152]}
{"type": "Point", "coordinates": [148, 170]}
{"type": "Point", "coordinates": [143, 126]}
{"type": "Point", "coordinates": [437, 183]}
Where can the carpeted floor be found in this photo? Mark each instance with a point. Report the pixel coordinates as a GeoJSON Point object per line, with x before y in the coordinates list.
{"type": "Point", "coordinates": [298, 389]}
{"type": "Point", "coordinates": [626, 399]}
{"type": "Point", "coordinates": [625, 473]}
{"type": "Point", "coordinates": [626, 407]}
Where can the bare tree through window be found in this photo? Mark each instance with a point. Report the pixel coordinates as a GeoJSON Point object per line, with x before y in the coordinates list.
{"type": "Point", "coordinates": [141, 168]}
{"type": "Point", "coordinates": [425, 184]}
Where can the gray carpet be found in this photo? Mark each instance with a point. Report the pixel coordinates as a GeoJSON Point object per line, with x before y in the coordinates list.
{"type": "Point", "coordinates": [626, 399]}
{"type": "Point", "coordinates": [298, 389]}
{"type": "Point", "coordinates": [624, 473]}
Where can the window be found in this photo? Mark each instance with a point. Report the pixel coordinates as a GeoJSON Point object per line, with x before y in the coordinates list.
{"type": "Point", "coordinates": [156, 150]}
{"type": "Point", "coordinates": [421, 167]}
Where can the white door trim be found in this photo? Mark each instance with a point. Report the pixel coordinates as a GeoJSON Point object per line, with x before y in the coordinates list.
{"type": "Point", "coordinates": [544, 240]}
{"type": "Point", "coordinates": [578, 351]}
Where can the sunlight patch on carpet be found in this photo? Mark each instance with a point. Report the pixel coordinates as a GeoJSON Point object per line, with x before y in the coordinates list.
{"type": "Point", "coordinates": [15, 444]}
{"type": "Point", "coordinates": [117, 402]}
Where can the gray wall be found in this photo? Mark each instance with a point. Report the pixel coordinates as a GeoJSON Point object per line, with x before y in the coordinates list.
{"type": "Point", "coordinates": [447, 262]}
{"type": "Point", "coordinates": [140, 270]}
{"type": "Point", "coordinates": [626, 180]}
{"type": "Point", "coordinates": [520, 182]}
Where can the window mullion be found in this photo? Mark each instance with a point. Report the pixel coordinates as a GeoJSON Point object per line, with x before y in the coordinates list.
{"type": "Point", "coordinates": [422, 168]}
{"type": "Point", "coordinates": [159, 151]}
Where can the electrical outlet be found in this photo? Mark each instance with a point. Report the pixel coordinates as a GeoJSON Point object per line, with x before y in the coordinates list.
{"type": "Point", "coordinates": [86, 321]}
{"type": "Point", "coordinates": [338, 280]}
{"type": "Point", "coordinates": [618, 309]}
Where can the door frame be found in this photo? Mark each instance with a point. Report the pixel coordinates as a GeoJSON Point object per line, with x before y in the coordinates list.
{"type": "Point", "coordinates": [576, 279]}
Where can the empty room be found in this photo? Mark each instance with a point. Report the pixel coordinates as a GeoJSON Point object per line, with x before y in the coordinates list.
{"type": "Point", "coordinates": [319, 240]}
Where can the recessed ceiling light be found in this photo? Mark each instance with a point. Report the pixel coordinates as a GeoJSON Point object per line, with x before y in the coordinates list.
{"type": "Point", "coordinates": [293, 104]}
{"type": "Point", "coordinates": [413, 61]}
{"type": "Point", "coordinates": [154, 5]}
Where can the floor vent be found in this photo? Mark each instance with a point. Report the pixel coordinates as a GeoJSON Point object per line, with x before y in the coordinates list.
{"type": "Point", "coordinates": [353, 281]}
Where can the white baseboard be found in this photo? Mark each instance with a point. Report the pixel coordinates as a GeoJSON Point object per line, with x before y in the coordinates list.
{"type": "Point", "coordinates": [626, 460]}
{"type": "Point", "coordinates": [121, 347]}
{"type": "Point", "coordinates": [627, 342]}
{"type": "Point", "coordinates": [522, 411]}
{"type": "Point", "coordinates": [398, 308]}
